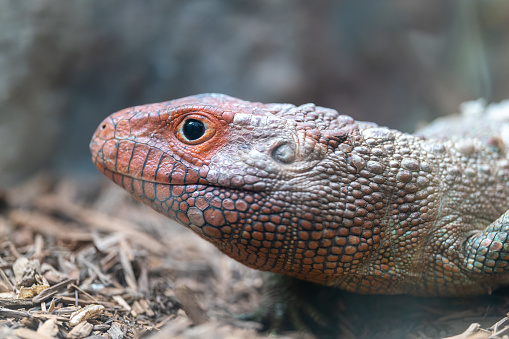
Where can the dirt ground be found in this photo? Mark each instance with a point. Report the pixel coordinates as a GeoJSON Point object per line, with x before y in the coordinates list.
{"type": "Point", "coordinates": [79, 258]}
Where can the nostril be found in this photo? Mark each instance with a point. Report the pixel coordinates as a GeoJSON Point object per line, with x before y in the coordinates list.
{"type": "Point", "coordinates": [103, 126]}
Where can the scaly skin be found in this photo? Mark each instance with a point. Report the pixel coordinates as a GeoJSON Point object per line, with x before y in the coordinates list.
{"type": "Point", "coordinates": [308, 193]}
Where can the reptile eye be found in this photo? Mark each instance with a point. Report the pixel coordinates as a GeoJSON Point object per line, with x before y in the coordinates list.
{"type": "Point", "coordinates": [284, 153]}
{"type": "Point", "coordinates": [193, 129]}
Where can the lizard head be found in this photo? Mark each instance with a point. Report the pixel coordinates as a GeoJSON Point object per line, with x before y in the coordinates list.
{"type": "Point", "coordinates": [274, 186]}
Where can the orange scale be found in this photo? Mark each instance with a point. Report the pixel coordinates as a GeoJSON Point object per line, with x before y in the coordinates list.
{"type": "Point", "coordinates": [177, 190]}
{"type": "Point", "coordinates": [150, 191]}
{"type": "Point", "coordinates": [231, 216]}
{"type": "Point", "coordinates": [306, 262]}
{"type": "Point", "coordinates": [171, 213]}
{"type": "Point", "coordinates": [313, 245]}
{"type": "Point", "coordinates": [110, 154]}
{"type": "Point", "coordinates": [214, 217]}
{"type": "Point", "coordinates": [212, 231]}
{"type": "Point", "coordinates": [162, 192]}
{"type": "Point", "coordinates": [127, 183]}
{"type": "Point", "coordinates": [178, 175]}
{"type": "Point", "coordinates": [321, 252]}
{"type": "Point", "coordinates": [346, 258]}
{"type": "Point", "coordinates": [302, 236]}
{"type": "Point", "coordinates": [278, 244]}
{"type": "Point", "coordinates": [164, 169]}
{"type": "Point", "coordinates": [318, 269]}
{"type": "Point", "coordinates": [122, 129]}
{"type": "Point", "coordinates": [256, 244]}
{"type": "Point", "coordinates": [358, 255]}
{"type": "Point", "coordinates": [252, 258]}
{"type": "Point", "coordinates": [139, 122]}
{"type": "Point", "coordinates": [117, 178]}
{"type": "Point", "coordinates": [152, 164]}
{"type": "Point", "coordinates": [216, 202]}
{"type": "Point", "coordinates": [319, 260]}
{"type": "Point", "coordinates": [138, 187]}
{"type": "Point", "coordinates": [125, 150]}
{"type": "Point", "coordinates": [257, 235]}
{"type": "Point", "coordinates": [337, 250]}
{"type": "Point", "coordinates": [138, 158]}
{"type": "Point", "coordinates": [182, 217]}
{"type": "Point", "coordinates": [331, 263]}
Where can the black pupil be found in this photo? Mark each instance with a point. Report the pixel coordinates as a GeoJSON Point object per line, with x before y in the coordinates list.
{"type": "Point", "coordinates": [193, 129]}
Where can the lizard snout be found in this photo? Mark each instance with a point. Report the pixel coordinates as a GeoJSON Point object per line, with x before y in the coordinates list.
{"type": "Point", "coordinates": [105, 131]}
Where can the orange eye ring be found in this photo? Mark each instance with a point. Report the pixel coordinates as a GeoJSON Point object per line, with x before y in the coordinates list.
{"type": "Point", "coordinates": [194, 129]}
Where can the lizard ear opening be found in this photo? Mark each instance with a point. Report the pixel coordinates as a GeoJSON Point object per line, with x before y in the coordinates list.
{"type": "Point", "coordinates": [284, 153]}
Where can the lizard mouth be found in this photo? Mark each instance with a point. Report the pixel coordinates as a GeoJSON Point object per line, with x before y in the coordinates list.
{"type": "Point", "coordinates": [128, 181]}
{"type": "Point", "coordinates": [117, 176]}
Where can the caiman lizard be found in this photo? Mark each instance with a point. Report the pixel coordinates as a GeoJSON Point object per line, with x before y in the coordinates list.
{"type": "Point", "coordinates": [309, 193]}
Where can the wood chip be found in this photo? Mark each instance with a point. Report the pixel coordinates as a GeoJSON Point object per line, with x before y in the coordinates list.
{"type": "Point", "coordinates": [190, 305]}
{"type": "Point", "coordinates": [8, 313]}
{"type": "Point", "coordinates": [7, 280]}
{"type": "Point", "coordinates": [51, 306]}
{"type": "Point", "coordinates": [49, 327]}
{"type": "Point", "coordinates": [44, 224]}
{"type": "Point", "coordinates": [84, 293]}
{"type": "Point", "coordinates": [137, 309]}
{"type": "Point", "coordinates": [101, 327]}
{"type": "Point", "coordinates": [163, 322]}
{"type": "Point", "coordinates": [51, 291]}
{"type": "Point", "coordinates": [38, 247]}
{"type": "Point", "coordinates": [42, 316]}
{"type": "Point", "coordinates": [16, 303]}
{"type": "Point", "coordinates": [85, 313]}
{"type": "Point", "coordinates": [173, 328]}
{"type": "Point", "coordinates": [82, 302]}
{"type": "Point", "coordinates": [81, 330]}
{"type": "Point", "coordinates": [121, 301]}
{"type": "Point", "coordinates": [101, 222]}
{"type": "Point", "coordinates": [146, 307]}
{"type": "Point", "coordinates": [26, 333]}
{"type": "Point", "coordinates": [116, 331]}
{"type": "Point", "coordinates": [125, 255]}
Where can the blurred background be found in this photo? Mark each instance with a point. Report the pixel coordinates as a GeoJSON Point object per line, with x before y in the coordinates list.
{"type": "Point", "coordinates": [66, 65]}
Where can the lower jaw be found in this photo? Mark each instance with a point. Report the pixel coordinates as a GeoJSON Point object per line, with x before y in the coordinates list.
{"type": "Point", "coordinates": [165, 198]}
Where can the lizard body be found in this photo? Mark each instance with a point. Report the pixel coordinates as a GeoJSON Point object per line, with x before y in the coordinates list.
{"type": "Point", "coordinates": [315, 195]}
